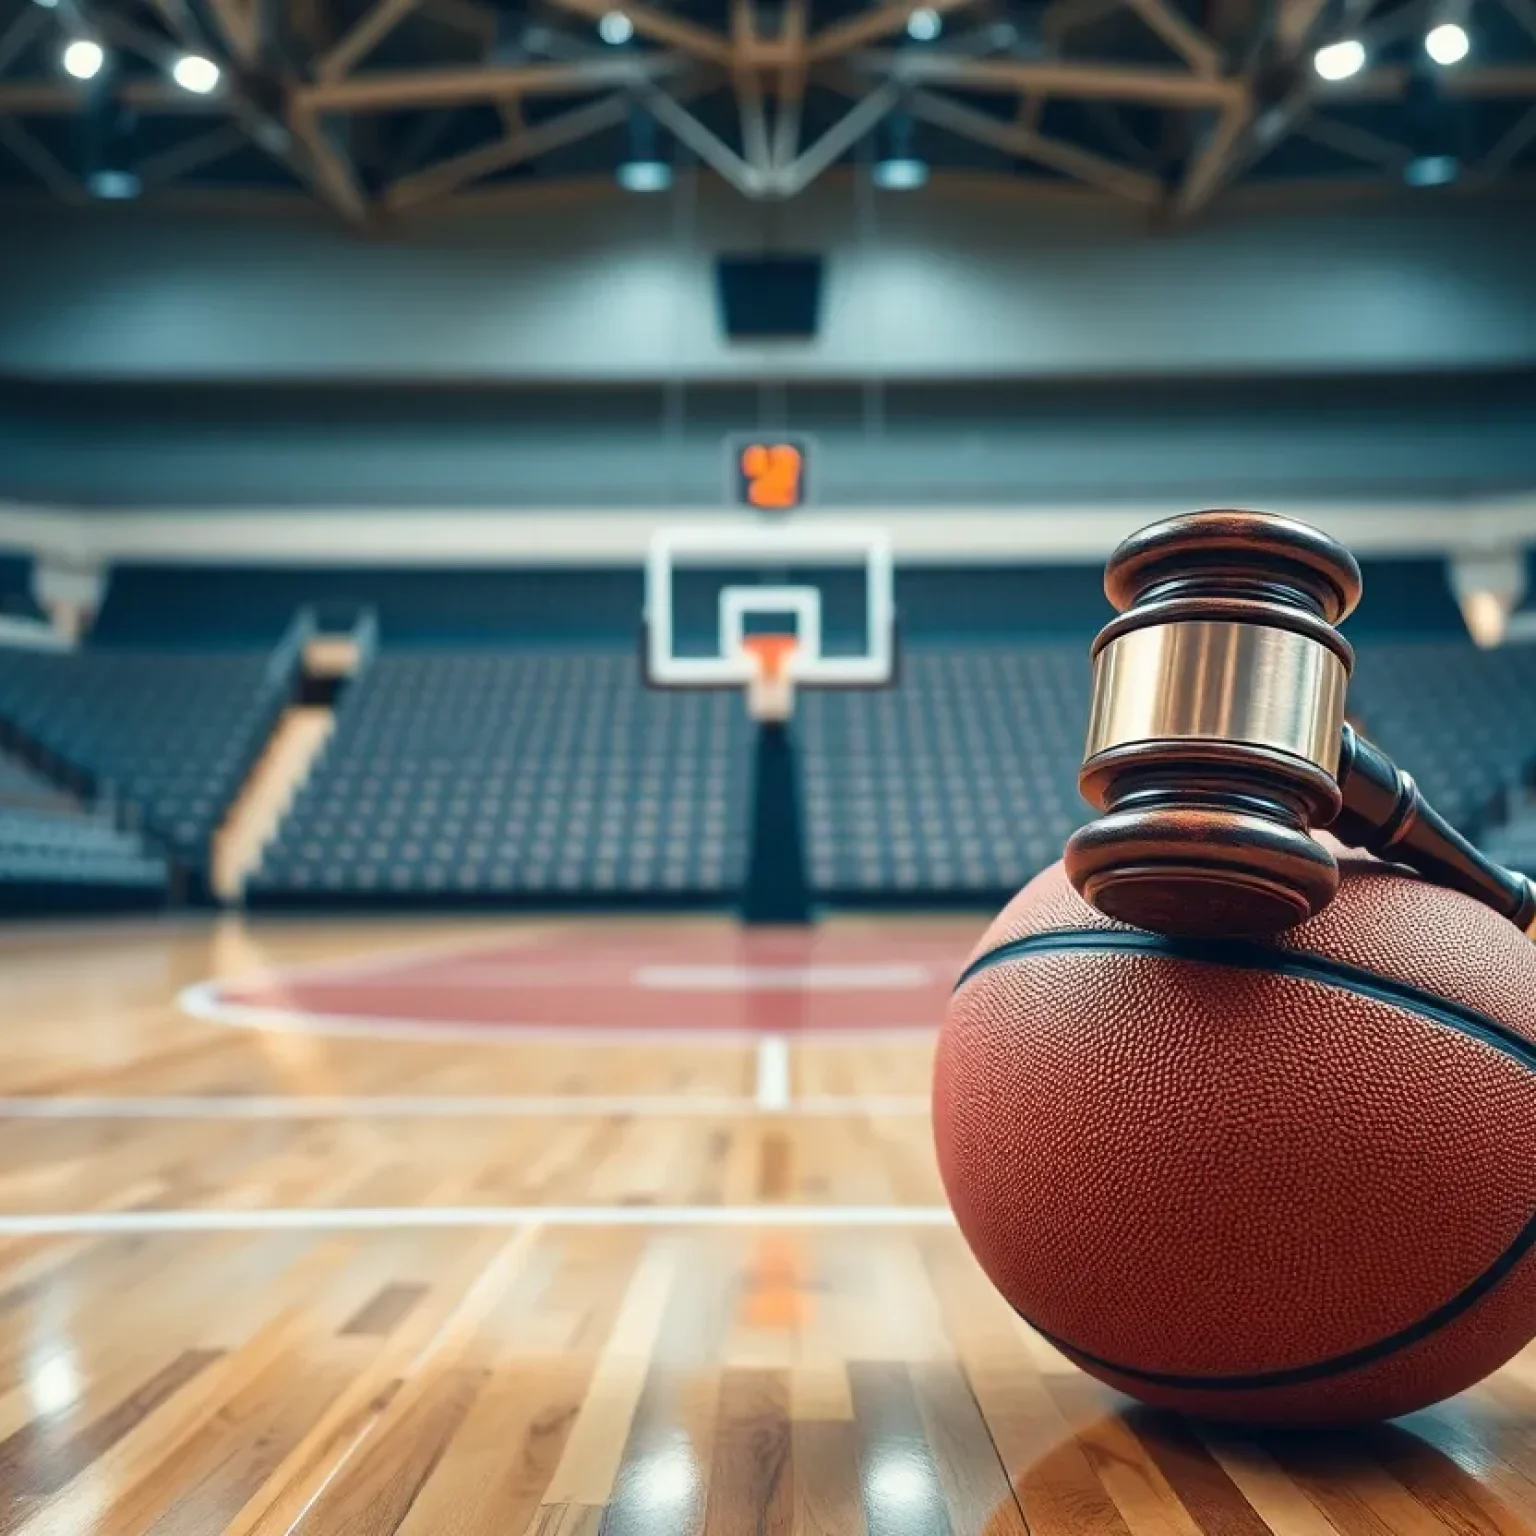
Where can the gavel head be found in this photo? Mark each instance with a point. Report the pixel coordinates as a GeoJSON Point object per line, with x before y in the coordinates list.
{"type": "Point", "coordinates": [1214, 737]}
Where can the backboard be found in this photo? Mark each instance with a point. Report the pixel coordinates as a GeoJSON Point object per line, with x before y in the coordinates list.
{"type": "Point", "coordinates": [753, 596]}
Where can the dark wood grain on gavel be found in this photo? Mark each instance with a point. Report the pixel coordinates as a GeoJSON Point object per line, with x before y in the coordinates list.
{"type": "Point", "coordinates": [1217, 740]}
{"type": "Point", "coordinates": [1385, 814]}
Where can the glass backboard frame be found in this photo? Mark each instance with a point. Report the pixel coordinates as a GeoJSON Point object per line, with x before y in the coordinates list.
{"type": "Point", "coordinates": [692, 545]}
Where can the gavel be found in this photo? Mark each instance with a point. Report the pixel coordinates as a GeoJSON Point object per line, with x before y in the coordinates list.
{"type": "Point", "coordinates": [1217, 741]}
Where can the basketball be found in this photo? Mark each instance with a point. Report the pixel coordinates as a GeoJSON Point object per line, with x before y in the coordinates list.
{"type": "Point", "coordinates": [1287, 1181]}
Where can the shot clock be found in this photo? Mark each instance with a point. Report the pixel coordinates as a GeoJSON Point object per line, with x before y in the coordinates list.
{"type": "Point", "coordinates": [769, 472]}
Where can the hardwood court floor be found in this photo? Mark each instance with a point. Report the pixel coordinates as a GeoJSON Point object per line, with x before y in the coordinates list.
{"type": "Point", "coordinates": [268, 1281]}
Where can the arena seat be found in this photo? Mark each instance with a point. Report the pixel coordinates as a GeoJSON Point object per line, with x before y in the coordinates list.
{"type": "Point", "coordinates": [55, 856]}
{"type": "Point", "coordinates": [962, 778]}
{"type": "Point", "coordinates": [167, 736]}
{"type": "Point", "coordinates": [501, 773]}
{"type": "Point", "coordinates": [1514, 843]}
{"type": "Point", "coordinates": [959, 779]}
{"type": "Point", "coordinates": [23, 788]}
{"type": "Point", "coordinates": [1463, 718]}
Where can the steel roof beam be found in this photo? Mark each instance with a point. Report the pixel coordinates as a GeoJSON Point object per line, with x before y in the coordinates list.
{"type": "Point", "coordinates": [660, 26]}
{"type": "Point", "coordinates": [1026, 143]}
{"type": "Point", "coordinates": [1150, 84]}
{"type": "Point", "coordinates": [396, 90]}
{"type": "Point", "coordinates": [371, 30]}
{"type": "Point", "coordinates": [515, 147]}
{"type": "Point", "coordinates": [843, 37]}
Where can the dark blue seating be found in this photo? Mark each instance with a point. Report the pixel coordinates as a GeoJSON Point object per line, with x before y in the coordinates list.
{"type": "Point", "coordinates": [54, 855]}
{"type": "Point", "coordinates": [540, 774]}
{"type": "Point", "coordinates": [1514, 843]}
{"type": "Point", "coordinates": [1460, 719]}
{"type": "Point", "coordinates": [960, 778]}
{"type": "Point", "coordinates": [168, 735]}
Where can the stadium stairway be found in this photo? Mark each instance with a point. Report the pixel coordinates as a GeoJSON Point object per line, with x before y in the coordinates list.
{"type": "Point", "coordinates": [328, 662]}
{"type": "Point", "coordinates": [297, 740]}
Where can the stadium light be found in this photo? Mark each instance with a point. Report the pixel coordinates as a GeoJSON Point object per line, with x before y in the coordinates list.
{"type": "Point", "coordinates": [83, 59]}
{"type": "Point", "coordinates": [110, 186]}
{"type": "Point", "coordinates": [1447, 43]}
{"type": "Point", "coordinates": [900, 173]}
{"type": "Point", "coordinates": [898, 168]}
{"type": "Point", "coordinates": [1432, 170]}
{"type": "Point", "coordinates": [924, 24]}
{"type": "Point", "coordinates": [192, 72]}
{"type": "Point", "coordinates": [615, 28]}
{"type": "Point", "coordinates": [1340, 60]}
{"type": "Point", "coordinates": [643, 169]}
{"type": "Point", "coordinates": [644, 175]}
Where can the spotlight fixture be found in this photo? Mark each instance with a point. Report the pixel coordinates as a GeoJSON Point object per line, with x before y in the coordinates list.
{"type": "Point", "coordinates": [898, 168]}
{"type": "Point", "coordinates": [192, 72]}
{"type": "Point", "coordinates": [1340, 60]}
{"type": "Point", "coordinates": [1432, 170]}
{"type": "Point", "coordinates": [1447, 43]}
{"type": "Point", "coordinates": [83, 59]}
{"type": "Point", "coordinates": [644, 175]}
{"type": "Point", "coordinates": [924, 24]}
{"type": "Point", "coordinates": [615, 28]}
{"type": "Point", "coordinates": [112, 186]}
{"type": "Point", "coordinates": [900, 173]}
{"type": "Point", "coordinates": [643, 169]}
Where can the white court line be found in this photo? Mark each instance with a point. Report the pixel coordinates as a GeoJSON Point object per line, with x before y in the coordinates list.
{"type": "Point", "coordinates": [399, 1218]}
{"type": "Point", "coordinates": [446, 1107]}
{"type": "Point", "coordinates": [201, 1000]}
{"type": "Point", "coordinates": [773, 1089]}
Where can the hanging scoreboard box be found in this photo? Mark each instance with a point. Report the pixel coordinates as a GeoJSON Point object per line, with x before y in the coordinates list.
{"type": "Point", "coordinates": [768, 472]}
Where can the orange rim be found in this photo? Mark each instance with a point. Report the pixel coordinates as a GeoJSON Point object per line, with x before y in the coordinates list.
{"type": "Point", "coordinates": [770, 653]}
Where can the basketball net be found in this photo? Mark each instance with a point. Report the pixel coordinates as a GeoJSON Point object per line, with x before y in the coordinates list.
{"type": "Point", "coordinates": [771, 691]}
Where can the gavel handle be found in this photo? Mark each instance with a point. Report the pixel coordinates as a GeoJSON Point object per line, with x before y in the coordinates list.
{"type": "Point", "coordinates": [1385, 814]}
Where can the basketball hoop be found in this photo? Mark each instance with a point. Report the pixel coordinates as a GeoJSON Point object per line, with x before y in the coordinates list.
{"type": "Point", "coordinates": [771, 691]}
{"type": "Point", "coordinates": [787, 654]}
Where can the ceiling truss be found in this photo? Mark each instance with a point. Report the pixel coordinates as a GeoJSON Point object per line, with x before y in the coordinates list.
{"type": "Point", "coordinates": [1235, 100]}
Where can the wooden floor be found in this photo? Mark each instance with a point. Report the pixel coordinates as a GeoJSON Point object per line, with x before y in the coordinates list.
{"type": "Point", "coordinates": [259, 1280]}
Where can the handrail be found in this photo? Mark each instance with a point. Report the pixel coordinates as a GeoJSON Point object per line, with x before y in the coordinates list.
{"type": "Point", "coordinates": [285, 655]}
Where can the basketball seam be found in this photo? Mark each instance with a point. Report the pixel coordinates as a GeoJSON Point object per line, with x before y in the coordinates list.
{"type": "Point", "coordinates": [1238, 954]}
{"type": "Point", "coordinates": [1329, 972]}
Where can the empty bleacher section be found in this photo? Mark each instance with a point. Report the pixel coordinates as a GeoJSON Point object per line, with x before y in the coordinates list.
{"type": "Point", "coordinates": [500, 747]}
{"type": "Point", "coordinates": [22, 787]}
{"type": "Point", "coordinates": [165, 737]}
{"type": "Point", "coordinates": [56, 857]}
{"type": "Point", "coordinates": [1462, 720]}
{"type": "Point", "coordinates": [1514, 843]}
{"type": "Point", "coordinates": [960, 779]}
{"type": "Point", "coordinates": [505, 774]}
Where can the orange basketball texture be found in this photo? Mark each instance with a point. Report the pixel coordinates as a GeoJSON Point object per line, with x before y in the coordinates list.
{"type": "Point", "coordinates": [1286, 1182]}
